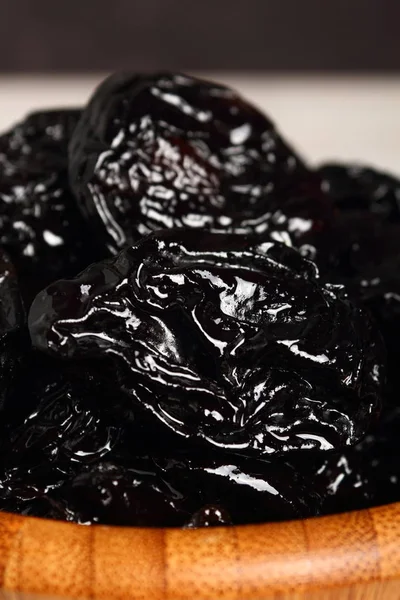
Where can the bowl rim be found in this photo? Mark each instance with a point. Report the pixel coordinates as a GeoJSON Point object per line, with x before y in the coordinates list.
{"type": "Point", "coordinates": [64, 559]}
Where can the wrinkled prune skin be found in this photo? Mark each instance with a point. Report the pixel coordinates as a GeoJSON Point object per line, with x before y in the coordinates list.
{"type": "Point", "coordinates": [62, 429]}
{"type": "Point", "coordinates": [364, 250]}
{"type": "Point", "coordinates": [166, 150]}
{"type": "Point", "coordinates": [274, 489]}
{"type": "Point", "coordinates": [65, 454]}
{"type": "Point", "coordinates": [356, 187]}
{"type": "Point", "coordinates": [363, 238]}
{"type": "Point", "coordinates": [178, 492]}
{"type": "Point", "coordinates": [13, 341]}
{"type": "Point", "coordinates": [40, 225]}
{"type": "Point", "coordinates": [343, 480]}
{"type": "Point", "coordinates": [363, 476]}
{"type": "Point", "coordinates": [54, 428]}
{"type": "Point", "coordinates": [123, 495]}
{"type": "Point", "coordinates": [225, 340]}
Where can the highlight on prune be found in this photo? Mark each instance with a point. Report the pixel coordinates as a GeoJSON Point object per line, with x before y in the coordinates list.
{"type": "Point", "coordinates": [224, 339]}
{"type": "Point", "coordinates": [40, 225]}
{"type": "Point", "coordinates": [168, 150]}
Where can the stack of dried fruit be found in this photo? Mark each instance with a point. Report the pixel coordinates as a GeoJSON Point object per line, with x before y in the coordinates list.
{"type": "Point", "coordinates": [220, 357]}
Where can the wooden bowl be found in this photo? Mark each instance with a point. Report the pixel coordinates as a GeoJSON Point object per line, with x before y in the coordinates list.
{"type": "Point", "coordinates": [353, 555]}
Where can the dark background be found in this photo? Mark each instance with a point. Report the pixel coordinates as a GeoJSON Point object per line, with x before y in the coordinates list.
{"type": "Point", "coordinates": [271, 35]}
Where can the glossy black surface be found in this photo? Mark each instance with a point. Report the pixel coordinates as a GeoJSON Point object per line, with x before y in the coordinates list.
{"type": "Point", "coordinates": [168, 150]}
{"type": "Point", "coordinates": [363, 476]}
{"type": "Point", "coordinates": [364, 248]}
{"type": "Point", "coordinates": [54, 428]}
{"type": "Point", "coordinates": [357, 187]}
{"type": "Point", "coordinates": [155, 491]}
{"type": "Point", "coordinates": [13, 339]}
{"type": "Point", "coordinates": [196, 379]}
{"type": "Point", "coordinates": [224, 339]}
{"type": "Point", "coordinates": [65, 454]}
{"type": "Point", "coordinates": [40, 225]}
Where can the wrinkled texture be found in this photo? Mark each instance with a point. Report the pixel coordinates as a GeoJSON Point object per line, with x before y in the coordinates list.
{"type": "Point", "coordinates": [61, 409]}
{"type": "Point", "coordinates": [66, 455]}
{"type": "Point", "coordinates": [40, 226]}
{"type": "Point", "coordinates": [240, 345]}
{"type": "Point", "coordinates": [176, 492]}
{"type": "Point", "coordinates": [356, 187]}
{"type": "Point", "coordinates": [53, 429]}
{"type": "Point", "coordinates": [223, 339]}
{"type": "Point", "coordinates": [13, 342]}
{"type": "Point", "coordinates": [167, 150]}
{"type": "Point", "coordinates": [364, 250]}
{"type": "Point", "coordinates": [365, 475]}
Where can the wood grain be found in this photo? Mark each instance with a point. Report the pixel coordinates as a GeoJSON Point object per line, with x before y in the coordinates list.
{"type": "Point", "coordinates": [350, 556]}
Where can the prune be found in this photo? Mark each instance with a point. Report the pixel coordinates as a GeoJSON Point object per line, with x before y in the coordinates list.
{"type": "Point", "coordinates": [13, 342]}
{"type": "Point", "coordinates": [122, 495]}
{"type": "Point", "coordinates": [58, 420]}
{"type": "Point", "coordinates": [363, 476]}
{"type": "Point", "coordinates": [179, 491]}
{"type": "Point", "coordinates": [272, 489]}
{"type": "Point", "coordinates": [364, 250]}
{"type": "Point", "coordinates": [167, 150]}
{"type": "Point", "coordinates": [343, 481]}
{"type": "Point", "coordinates": [225, 339]}
{"type": "Point", "coordinates": [356, 187]}
{"type": "Point", "coordinates": [55, 428]}
{"type": "Point", "coordinates": [208, 374]}
{"type": "Point", "coordinates": [383, 451]}
{"type": "Point", "coordinates": [367, 221]}
{"type": "Point", "coordinates": [61, 425]}
{"type": "Point", "coordinates": [65, 455]}
{"type": "Point", "coordinates": [40, 226]}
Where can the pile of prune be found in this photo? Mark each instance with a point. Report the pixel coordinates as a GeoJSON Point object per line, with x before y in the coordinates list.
{"type": "Point", "coordinates": [197, 327]}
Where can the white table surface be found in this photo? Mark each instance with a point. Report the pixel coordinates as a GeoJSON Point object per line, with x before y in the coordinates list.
{"type": "Point", "coordinates": [348, 118]}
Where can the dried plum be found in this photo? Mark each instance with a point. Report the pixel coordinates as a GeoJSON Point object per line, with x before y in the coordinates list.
{"type": "Point", "coordinates": [65, 454]}
{"type": "Point", "coordinates": [356, 187]}
{"type": "Point", "coordinates": [40, 226]}
{"type": "Point", "coordinates": [224, 339]}
{"type": "Point", "coordinates": [55, 428]}
{"type": "Point", "coordinates": [363, 476]}
{"type": "Point", "coordinates": [179, 491]}
{"type": "Point", "coordinates": [343, 480]}
{"type": "Point", "coordinates": [59, 420]}
{"type": "Point", "coordinates": [13, 341]}
{"type": "Point", "coordinates": [180, 381]}
{"type": "Point", "coordinates": [122, 495]}
{"type": "Point", "coordinates": [364, 249]}
{"type": "Point", "coordinates": [273, 489]}
{"type": "Point", "coordinates": [167, 150]}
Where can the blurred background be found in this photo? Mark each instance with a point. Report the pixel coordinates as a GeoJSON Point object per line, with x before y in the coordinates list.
{"type": "Point", "coordinates": [328, 71]}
